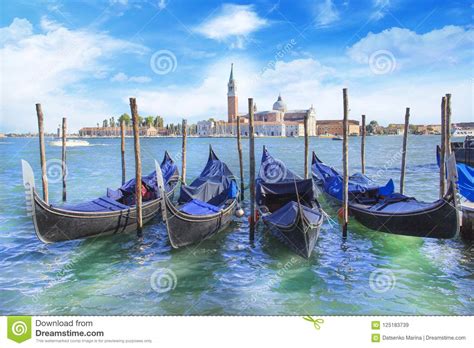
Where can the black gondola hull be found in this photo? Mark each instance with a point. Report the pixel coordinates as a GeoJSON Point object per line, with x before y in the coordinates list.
{"type": "Point", "coordinates": [300, 237]}
{"type": "Point", "coordinates": [184, 229]}
{"type": "Point", "coordinates": [440, 221]}
{"type": "Point", "coordinates": [57, 225]}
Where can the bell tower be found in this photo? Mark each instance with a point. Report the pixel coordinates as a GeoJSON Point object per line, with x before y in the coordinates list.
{"type": "Point", "coordinates": [232, 99]}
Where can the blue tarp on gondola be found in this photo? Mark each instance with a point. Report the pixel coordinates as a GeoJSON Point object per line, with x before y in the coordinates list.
{"type": "Point", "coordinates": [466, 181]}
{"type": "Point", "coordinates": [170, 173]}
{"type": "Point", "coordinates": [214, 185]}
{"type": "Point", "coordinates": [197, 207]}
{"type": "Point", "coordinates": [287, 215]}
{"type": "Point", "coordinates": [358, 183]}
{"type": "Point", "coordinates": [276, 182]}
{"type": "Point", "coordinates": [127, 191]}
{"type": "Point", "coordinates": [465, 178]}
{"type": "Point", "coordinates": [96, 205]}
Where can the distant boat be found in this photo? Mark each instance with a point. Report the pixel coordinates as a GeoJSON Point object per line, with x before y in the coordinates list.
{"type": "Point", "coordinates": [337, 137]}
{"type": "Point", "coordinates": [69, 143]}
{"type": "Point", "coordinates": [460, 132]}
{"type": "Point", "coordinates": [463, 150]}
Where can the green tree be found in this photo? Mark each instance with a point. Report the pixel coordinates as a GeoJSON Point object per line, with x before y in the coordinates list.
{"type": "Point", "coordinates": [158, 123]}
{"type": "Point", "coordinates": [372, 126]}
{"type": "Point", "coordinates": [149, 121]}
{"type": "Point", "coordinates": [105, 123]}
{"type": "Point", "coordinates": [125, 118]}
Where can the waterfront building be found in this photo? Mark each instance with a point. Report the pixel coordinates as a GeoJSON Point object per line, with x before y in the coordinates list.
{"type": "Point", "coordinates": [334, 127]}
{"type": "Point", "coordinates": [115, 131]}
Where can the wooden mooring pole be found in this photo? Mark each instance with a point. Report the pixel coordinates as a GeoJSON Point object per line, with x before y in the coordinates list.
{"type": "Point", "coordinates": [241, 162]}
{"type": "Point", "coordinates": [63, 158]}
{"type": "Point", "coordinates": [306, 145]}
{"type": "Point", "coordinates": [345, 160]}
{"type": "Point", "coordinates": [252, 172]}
{"type": "Point", "coordinates": [122, 149]}
{"type": "Point", "coordinates": [362, 146]}
{"type": "Point", "coordinates": [138, 165]}
{"type": "Point", "coordinates": [404, 150]}
{"type": "Point", "coordinates": [44, 176]}
{"type": "Point", "coordinates": [442, 155]}
{"type": "Point", "coordinates": [448, 124]}
{"type": "Point", "coordinates": [183, 153]}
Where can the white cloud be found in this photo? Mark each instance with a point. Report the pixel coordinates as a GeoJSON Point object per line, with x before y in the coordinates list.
{"type": "Point", "coordinates": [381, 8]}
{"type": "Point", "coordinates": [122, 77]}
{"type": "Point", "coordinates": [118, 2]}
{"type": "Point", "coordinates": [232, 23]}
{"type": "Point", "coordinates": [303, 82]}
{"type": "Point", "coordinates": [48, 25]}
{"type": "Point", "coordinates": [326, 13]}
{"type": "Point", "coordinates": [162, 4]}
{"type": "Point", "coordinates": [451, 44]}
{"type": "Point", "coordinates": [19, 29]}
{"type": "Point", "coordinates": [299, 81]}
{"type": "Point", "coordinates": [46, 67]}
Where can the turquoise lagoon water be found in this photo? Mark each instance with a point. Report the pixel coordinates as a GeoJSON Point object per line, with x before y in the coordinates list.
{"type": "Point", "coordinates": [369, 273]}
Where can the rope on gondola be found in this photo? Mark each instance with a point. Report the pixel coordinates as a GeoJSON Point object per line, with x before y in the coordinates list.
{"type": "Point", "coordinates": [332, 222]}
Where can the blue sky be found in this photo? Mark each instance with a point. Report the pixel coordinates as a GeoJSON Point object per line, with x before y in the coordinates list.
{"type": "Point", "coordinates": [84, 59]}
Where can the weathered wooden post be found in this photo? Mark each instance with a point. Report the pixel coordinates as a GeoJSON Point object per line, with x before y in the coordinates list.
{"type": "Point", "coordinates": [183, 149]}
{"type": "Point", "coordinates": [306, 145]}
{"type": "Point", "coordinates": [448, 124]}
{"type": "Point", "coordinates": [44, 176]}
{"type": "Point", "coordinates": [252, 171]}
{"type": "Point", "coordinates": [122, 149]}
{"type": "Point", "coordinates": [63, 159]}
{"type": "Point", "coordinates": [442, 155]}
{"type": "Point", "coordinates": [138, 165]}
{"type": "Point", "coordinates": [404, 150]}
{"type": "Point", "coordinates": [241, 162]}
{"type": "Point", "coordinates": [362, 146]}
{"type": "Point", "coordinates": [345, 159]}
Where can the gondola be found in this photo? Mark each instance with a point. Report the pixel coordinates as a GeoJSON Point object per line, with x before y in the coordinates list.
{"type": "Point", "coordinates": [380, 209]}
{"type": "Point", "coordinates": [287, 205]}
{"type": "Point", "coordinates": [111, 214]}
{"type": "Point", "coordinates": [204, 207]}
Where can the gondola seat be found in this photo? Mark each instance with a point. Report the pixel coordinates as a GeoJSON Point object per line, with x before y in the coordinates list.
{"type": "Point", "coordinates": [198, 207]}
{"type": "Point", "coordinates": [97, 205]}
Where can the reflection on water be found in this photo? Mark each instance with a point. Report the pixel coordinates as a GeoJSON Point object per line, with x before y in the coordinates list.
{"type": "Point", "coordinates": [369, 273]}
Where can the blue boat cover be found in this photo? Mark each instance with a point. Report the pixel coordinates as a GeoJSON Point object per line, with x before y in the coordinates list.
{"type": "Point", "coordinates": [276, 182]}
{"type": "Point", "coordinates": [96, 205]}
{"type": "Point", "coordinates": [286, 215]}
{"type": "Point", "coordinates": [170, 173]}
{"type": "Point", "coordinates": [197, 207]}
{"type": "Point", "coordinates": [466, 181]}
{"type": "Point", "coordinates": [465, 178]}
{"type": "Point", "coordinates": [358, 183]}
{"type": "Point", "coordinates": [110, 202]}
{"type": "Point", "coordinates": [214, 185]}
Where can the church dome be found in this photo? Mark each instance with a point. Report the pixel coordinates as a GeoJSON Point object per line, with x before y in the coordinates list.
{"type": "Point", "coordinates": [279, 105]}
